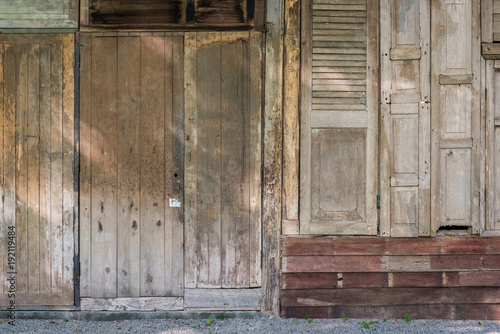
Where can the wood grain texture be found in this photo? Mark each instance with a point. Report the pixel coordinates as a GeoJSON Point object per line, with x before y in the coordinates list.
{"type": "Point", "coordinates": [36, 14]}
{"type": "Point", "coordinates": [171, 14]}
{"type": "Point", "coordinates": [456, 115]}
{"type": "Point", "coordinates": [223, 94]}
{"type": "Point", "coordinates": [390, 296]}
{"type": "Point", "coordinates": [143, 234]}
{"type": "Point", "coordinates": [37, 107]}
{"type": "Point", "coordinates": [291, 122]}
{"type": "Point", "coordinates": [272, 157]}
{"type": "Point", "coordinates": [132, 304]}
{"type": "Point", "coordinates": [339, 105]}
{"type": "Point", "coordinates": [233, 299]}
{"type": "Point", "coordinates": [389, 246]}
{"type": "Point", "coordinates": [452, 312]}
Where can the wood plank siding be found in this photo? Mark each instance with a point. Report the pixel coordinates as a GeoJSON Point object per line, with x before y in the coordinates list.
{"type": "Point", "coordinates": [172, 14]}
{"type": "Point", "coordinates": [37, 191]}
{"type": "Point", "coordinates": [131, 129]}
{"type": "Point", "coordinates": [443, 277]}
{"type": "Point", "coordinates": [39, 15]}
{"type": "Point", "coordinates": [222, 159]}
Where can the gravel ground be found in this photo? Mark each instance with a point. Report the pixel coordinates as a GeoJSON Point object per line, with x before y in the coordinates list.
{"type": "Point", "coordinates": [252, 324]}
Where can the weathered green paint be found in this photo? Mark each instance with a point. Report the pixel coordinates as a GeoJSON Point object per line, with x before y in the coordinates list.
{"type": "Point", "coordinates": [38, 14]}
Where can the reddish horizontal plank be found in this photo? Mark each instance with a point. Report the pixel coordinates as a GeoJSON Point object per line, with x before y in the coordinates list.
{"type": "Point", "coordinates": [465, 262]}
{"type": "Point", "coordinates": [390, 246]}
{"type": "Point", "coordinates": [334, 280]}
{"type": "Point", "coordinates": [374, 263]}
{"type": "Point", "coordinates": [372, 312]}
{"type": "Point", "coordinates": [423, 280]}
{"type": "Point", "coordinates": [296, 281]}
{"type": "Point", "coordinates": [389, 296]}
{"type": "Point", "coordinates": [448, 311]}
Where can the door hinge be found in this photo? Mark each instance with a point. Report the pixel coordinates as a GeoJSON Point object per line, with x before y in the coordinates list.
{"type": "Point", "coordinates": [378, 202]}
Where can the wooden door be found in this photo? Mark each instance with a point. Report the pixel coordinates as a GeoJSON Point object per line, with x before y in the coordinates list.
{"type": "Point", "coordinates": [131, 188]}
{"type": "Point", "coordinates": [455, 105]}
{"type": "Point", "coordinates": [339, 117]}
{"type": "Point", "coordinates": [405, 162]}
{"type": "Point", "coordinates": [223, 169]}
{"type": "Point", "coordinates": [37, 167]}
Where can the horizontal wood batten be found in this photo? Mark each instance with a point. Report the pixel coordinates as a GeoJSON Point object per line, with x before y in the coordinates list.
{"type": "Point", "coordinates": [390, 296]}
{"type": "Point", "coordinates": [384, 279]}
{"type": "Point", "coordinates": [132, 304]}
{"type": "Point", "coordinates": [234, 299]}
{"type": "Point", "coordinates": [389, 246]}
{"type": "Point", "coordinates": [453, 312]}
{"type": "Point", "coordinates": [400, 263]}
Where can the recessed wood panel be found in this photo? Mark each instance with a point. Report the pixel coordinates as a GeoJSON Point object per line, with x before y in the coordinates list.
{"type": "Point", "coordinates": [404, 207]}
{"type": "Point", "coordinates": [338, 176]}
{"type": "Point", "coordinates": [406, 21]}
{"type": "Point", "coordinates": [456, 191]}
{"type": "Point", "coordinates": [457, 27]}
{"type": "Point", "coordinates": [456, 107]}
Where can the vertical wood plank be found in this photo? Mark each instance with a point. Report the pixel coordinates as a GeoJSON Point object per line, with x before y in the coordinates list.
{"type": "Point", "coordinates": [22, 168]}
{"type": "Point", "coordinates": [291, 93]}
{"type": "Point", "coordinates": [85, 41]}
{"type": "Point", "coordinates": [255, 109]}
{"type": "Point", "coordinates": [372, 89]}
{"type": "Point", "coordinates": [3, 227]}
{"type": "Point", "coordinates": [104, 170]}
{"type": "Point", "coordinates": [56, 168]}
{"type": "Point", "coordinates": [69, 205]}
{"type": "Point", "coordinates": [45, 189]}
{"type": "Point", "coordinates": [209, 102]}
{"type": "Point", "coordinates": [152, 166]}
{"type": "Point", "coordinates": [129, 223]}
{"type": "Point", "coordinates": [305, 107]}
{"type": "Point", "coordinates": [424, 197]}
{"type": "Point", "coordinates": [10, 142]}
{"type": "Point", "coordinates": [234, 155]}
{"type": "Point", "coordinates": [272, 157]}
{"type": "Point", "coordinates": [33, 146]}
{"type": "Point", "coordinates": [385, 129]}
{"type": "Point", "coordinates": [177, 169]}
{"type": "Point", "coordinates": [169, 153]}
{"type": "Point", "coordinates": [191, 160]}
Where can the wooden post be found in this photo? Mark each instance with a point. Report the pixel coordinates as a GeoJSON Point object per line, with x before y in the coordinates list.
{"type": "Point", "coordinates": [291, 93]}
{"type": "Point", "coordinates": [271, 218]}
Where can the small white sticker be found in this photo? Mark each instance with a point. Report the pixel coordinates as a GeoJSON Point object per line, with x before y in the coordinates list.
{"type": "Point", "coordinates": [174, 203]}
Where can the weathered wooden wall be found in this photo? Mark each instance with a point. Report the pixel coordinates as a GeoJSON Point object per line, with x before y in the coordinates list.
{"type": "Point", "coordinates": [366, 277]}
{"type": "Point", "coordinates": [36, 162]}
{"type": "Point", "coordinates": [131, 127]}
{"type": "Point", "coordinates": [172, 14]}
{"type": "Point", "coordinates": [223, 88]}
{"type": "Point", "coordinates": [38, 14]}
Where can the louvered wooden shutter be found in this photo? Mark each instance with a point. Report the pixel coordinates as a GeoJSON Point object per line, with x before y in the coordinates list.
{"type": "Point", "coordinates": [339, 117]}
